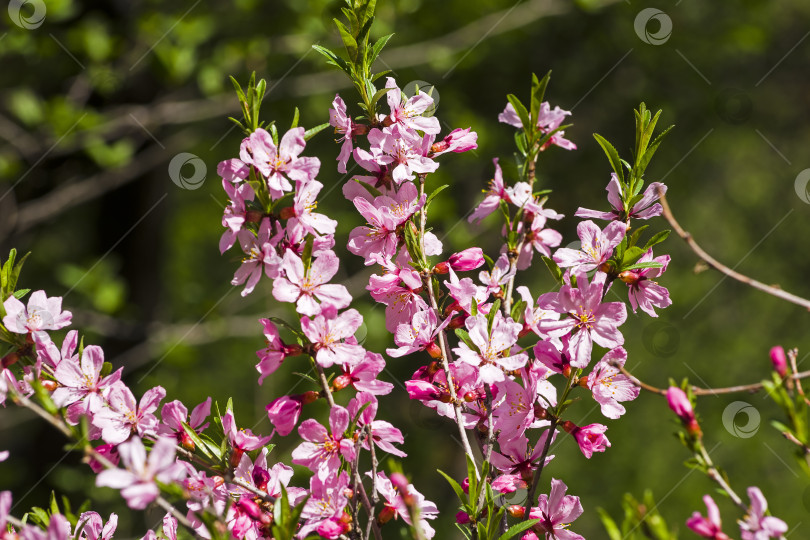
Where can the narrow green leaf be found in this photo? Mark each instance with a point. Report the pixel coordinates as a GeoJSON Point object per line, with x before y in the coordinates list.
{"type": "Point", "coordinates": [348, 40]}
{"type": "Point", "coordinates": [462, 497]}
{"type": "Point", "coordinates": [555, 270]}
{"type": "Point", "coordinates": [639, 266]}
{"type": "Point", "coordinates": [518, 528]}
{"type": "Point", "coordinates": [636, 235]}
{"type": "Point", "coordinates": [377, 48]}
{"type": "Point", "coordinates": [656, 239]}
{"type": "Point", "coordinates": [296, 114]}
{"type": "Point", "coordinates": [612, 155]}
{"type": "Point", "coordinates": [609, 524]}
{"type": "Point", "coordinates": [538, 92]}
{"type": "Point", "coordinates": [523, 114]}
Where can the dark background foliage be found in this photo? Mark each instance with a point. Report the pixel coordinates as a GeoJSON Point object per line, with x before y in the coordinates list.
{"type": "Point", "coordinates": [97, 100]}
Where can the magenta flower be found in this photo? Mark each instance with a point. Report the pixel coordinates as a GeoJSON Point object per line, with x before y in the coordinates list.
{"type": "Point", "coordinates": [401, 150]}
{"type": "Point", "coordinates": [597, 246]}
{"type": "Point", "coordinates": [324, 508]}
{"type": "Point", "coordinates": [175, 414]}
{"type": "Point", "coordinates": [458, 140]}
{"type": "Point", "coordinates": [81, 383]}
{"type": "Point", "coordinates": [108, 452]}
{"type": "Point", "coordinates": [756, 525]}
{"type": "Point", "coordinates": [709, 526]}
{"type": "Point", "coordinates": [401, 306]}
{"type": "Point", "coordinates": [464, 291]}
{"type": "Point", "coordinates": [589, 320]}
{"type": "Point", "coordinates": [643, 209]}
{"type": "Point", "coordinates": [556, 512]}
{"type": "Point", "coordinates": [94, 527]}
{"type": "Point", "coordinates": [137, 482]}
{"type": "Point", "coordinates": [590, 438]}
{"type": "Point", "coordinates": [492, 355]}
{"type": "Point", "coordinates": [645, 293]}
{"type": "Point", "coordinates": [397, 502]}
{"type": "Point", "coordinates": [303, 287]}
{"type": "Point", "coordinates": [610, 386]}
{"type": "Point", "coordinates": [383, 433]}
{"type": "Point", "coordinates": [679, 402]}
{"type": "Point", "coordinates": [260, 257]}
{"type": "Point", "coordinates": [533, 314]}
{"type": "Point", "coordinates": [242, 440]}
{"type": "Point", "coordinates": [303, 211]}
{"type": "Point", "coordinates": [517, 457]}
{"type": "Point", "coordinates": [779, 360]}
{"type": "Point", "coordinates": [548, 120]}
{"type": "Point", "coordinates": [513, 409]}
{"type": "Point", "coordinates": [279, 164]}
{"type": "Point", "coordinates": [501, 273]}
{"type": "Point", "coordinates": [122, 416]}
{"type": "Point", "coordinates": [497, 192]}
{"type": "Point", "coordinates": [378, 239]}
{"type": "Point", "coordinates": [271, 357]}
{"type": "Point", "coordinates": [41, 314]}
{"type": "Point", "coordinates": [362, 374]}
{"type": "Point", "coordinates": [339, 119]}
{"type": "Point", "coordinates": [326, 335]}
{"type": "Point", "coordinates": [321, 450]}
{"type": "Point", "coordinates": [469, 259]}
{"type": "Point", "coordinates": [52, 356]}
{"type": "Point", "coordinates": [408, 114]}
{"type": "Point", "coordinates": [234, 216]}
{"type": "Point", "coordinates": [537, 239]}
{"type": "Point", "coordinates": [283, 413]}
{"type": "Point", "coordinates": [418, 334]}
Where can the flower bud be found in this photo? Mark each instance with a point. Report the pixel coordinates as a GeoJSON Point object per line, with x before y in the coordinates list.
{"type": "Point", "coordinates": [469, 259]}
{"type": "Point", "coordinates": [630, 277]}
{"type": "Point", "coordinates": [779, 360]}
{"type": "Point", "coordinates": [185, 441]}
{"type": "Point", "coordinates": [462, 518]}
{"type": "Point", "coordinates": [308, 397]}
{"type": "Point", "coordinates": [287, 212]}
{"type": "Point", "coordinates": [249, 508]}
{"type": "Point", "coordinates": [516, 511]}
{"type": "Point", "coordinates": [470, 396]}
{"type": "Point", "coordinates": [253, 216]}
{"type": "Point", "coordinates": [607, 267]}
{"type": "Point", "coordinates": [680, 405]}
{"type": "Point", "coordinates": [49, 385]}
{"type": "Point", "coordinates": [341, 382]}
{"type": "Point", "coordinates": [465, 485]}
{"type": "Point", "coordinates": [9, 360]}
{"type": "Point", "coordinates": [386, 515]}
{"type": "Point", "coordinates": [434, 350]}
{"type": "Point", "coordinates": [457, 322]}
{"type": "Point", "coordinates": [441, 268]}
{"type": "Point", "coordinates": [260, 477]}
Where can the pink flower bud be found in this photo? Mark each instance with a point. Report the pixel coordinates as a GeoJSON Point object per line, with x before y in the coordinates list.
{"type": "Point", "coordinates": [466, 260]}
{"type": "Point", "coordinates": [779, 360]}
{"type": "Point", "coordinates": [462, 518]}
{"type": "Point", "coordinates": [283, 413]}
{"type": "Point", "coordinates": [679, 403]}
{"type": "Point", "coordinates": [249, 508]}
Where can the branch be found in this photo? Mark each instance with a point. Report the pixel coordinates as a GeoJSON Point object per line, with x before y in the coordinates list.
{"type": "Point", "coordinates": [714, 263]}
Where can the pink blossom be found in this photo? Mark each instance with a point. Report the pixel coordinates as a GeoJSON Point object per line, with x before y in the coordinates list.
{"type": "Point", "coordinates": [395, 501]}
{"type": "Point", "coordinates": [174, 415]}
{"type": "Point", "coordinates": [394, 273]}
{"type": "Point", "coordinates": [52, 356]}
{"type": "Point", "coordinates": [326, 334]}
{"type": "Point", "coordinates": [513, 409]}
{"type": "Point", "coordinates": [383, 433]}
{"type": "Point", "coordinates": [303, 211]}
{"type": "Point", "coordinates": [547, 120]}
{"type": "Point", "coordinates": [261, 257]}
{"type": "Point", "coordinates": [469, 259]}
{"type": "Point", "coordinates": [378, 238]}
{"type": "Point", "coordinates": [169, 529]}
{"type": "Point", "coordinates": [500, 274]}
{"type": "Point", "coordinates": [284, 412]}
{"type": "Point", "coordinates": [122, 417]}
{"type": "Point", "coordinates": [556, 512]}
{"type": "Point", "coordinates": [756, 525]}
{"type": "Point", "coordinates": [537, 239]}
{"type": "Point", "coordinates": [644, 292]}
{"type": "Point", "coordinates": [401, 306]}
{"type": "Point", "coordinates": [408, 114]}
{"type": "Point", "coordinates": [94, 528]}
{"type": "Point", "coordinates": [417, 334]}
{"type": "Point", "coordinates": [709, 526]}
{"type": "Point", "coordinates": [401, 150]}
{"type": "Point", "coordinates": [324, 509]}
{"type": "Point", "coordinates": [321, 450]}
{"type": "Point", "coordinates": [590, 438]}
{"type": "Point", "coordinates": [643, 209]}
{"type": "Point", "coordinates": [679, 402]}
{"type": "Point", "coordinates": [304, 286]}
{"type": "Point", "coordinates": [241, 440]}
{"type": "Point", "coordinates": [516, 456]}
{"type": "Point", "coordinates": [137, 482]}
{"type": "Point", "coordinates": [458, 140]}
{"type": "Point", "coordinates": [41, 314]}
{"type": "Point", "coordinates": [497, 192]}
{"type": "Point", "coordinates": [234, 171]}
{"type": "Point", "coordinates": [361, 374]}
{"type": "Point", "coordinates": [108, 452]}
{"type": "Point", "coordinates": [609, 385]}
{"type": "Point", "coordinates": [533, 314]}
{"type": "Point", "coordinates": [81, 382]}
{"type": "Point", "coordinates": [279, 164]}
{"type": "Point", "coordinates": [492, 355]}
{"type": "Point", "coordinates": [588, 318]}
{"type": "Point", "coordinates": [339, 119]}
{"type": "Point", "coordinates": [597, 246]}
{"type": "Point", "coordinates": [464, 291]}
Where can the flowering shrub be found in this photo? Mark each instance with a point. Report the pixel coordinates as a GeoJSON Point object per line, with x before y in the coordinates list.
{"type": "Point", "coordinates": [503, 366]}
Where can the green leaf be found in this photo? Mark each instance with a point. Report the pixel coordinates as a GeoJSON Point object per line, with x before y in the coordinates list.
{"type": "Point", "coordinates": [650, 152]}
{"type": "Point", "coordinates": [333, 59]}
{"type": "Point", "coordinates": [656, 239]}
{"type": "Point", "coordinates": [379, 94]}
{"type": "Point", "coordinates": [555, 270]}
{"type": "Point", "coordinates": [636, 235]}
{"type": "Point", "coordinates": [435, 192]}
{"type": "Point", "coordinates": [518, 528]}
{"type": "Point", "coordinates": [538, 91]}
{"type": "Point", "coordinates": [378, 47]}
{"type": "Point", "coordinates": [20, 294]}
{"type": "Point", "coordinates": [523, 114]}
{"type": "Point", "coordinates": [348, 40]}
{"type": "Point", "coordinates": [517, 310]}
{"type": "Point", "coordinates": [632, 254]}
{"type": "Point", "coordinates": [612, 155]}
{"type": "Point", "coordinates": [496, 306]}
{"type": "Point", "coordinates": [308, 134]}
{"type": "Point", "coordinates": [198, 442]}
{"type": "Point", "coordinates": [610, 526]}
{"type": "Point", "coordinates": [295, 119]}
{"type": "Point", "coordinates": [464, 336]}
{"type": "Point", "coordinates": [639, 266]}
{"type": "Point", "coordinates": [106, 369]}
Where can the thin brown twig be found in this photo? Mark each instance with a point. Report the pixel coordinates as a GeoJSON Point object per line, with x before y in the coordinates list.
{"type": "Point", "coordinates": [720, 267]}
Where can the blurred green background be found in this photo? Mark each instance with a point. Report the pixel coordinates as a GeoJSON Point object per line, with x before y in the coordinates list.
{"type": "Point", "coordinates": [97, 97]}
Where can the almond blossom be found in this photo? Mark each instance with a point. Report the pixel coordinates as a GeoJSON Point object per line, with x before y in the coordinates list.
{"type": "Point", "coordinates": [597, 246]}
{"type": "Point", "coordinates": [303, 286]}
{"type": "Point", "coordinates": [94, 528]}
{"type": "Point", "coordinates": [323, 511]}
{"type": "Point", "coordinates": [609, 385]}
{"type": "Point", "coordinates": [261, 257]}
{"type": "Point", "coordinates": [122, 416]}
{"type": "Point", "coordinates": [327, 333]}
{"type": "Point", "coordinates": [81, 385]}
{"type": "Point", "coordinates": [322, 449]}
{"type": "Point", "coordinates": [643, 292]}
{"type": "Point", "coordinates": [643, 209]}
{"type": "Point", "coordinates": [400, 149]}
{"type": "Point", "coordinates": [235, 214]}
{"type": "Point", "coordinates": [418, 334]}
{"type": "Point", "coordinates": [381, 433]}
{"type": "Point", "coordinates": [497, 192]}
{"type": "Point", "coordinates": [548, 120]}
{"type": "Point", "coordinates": [279, 164]}
{"type": "Point", "coordinates": [41, 314]}
{"type": "Point", "coordinates": [492, 355]}
{"type": "Point", "coordinates": [756, 525]}
{"type": "Point", "coordinates": [710, 526]}
{"type": "Point", "coordinates": [138, 482]}
{"type": "Point", "coordinates": [409, 114]}
{"type": "Point", "coordinates": [339, 119]}
{"type": "Point", "coordinates": [396, 505]}
{"type": "Point", "coordinates": [556, 512]}
{"type": "Point", "coordinates": [174, 415]}
{"type": "Point", "coordinates": [361, 374]}
{"type": "Point", "coordinates": [302, 213]}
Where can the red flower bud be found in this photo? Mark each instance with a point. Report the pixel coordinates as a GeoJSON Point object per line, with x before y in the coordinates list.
{"type": "Point", "coordinates": [9, 359]}
{"type": "Point", "coordinates": [469, 259]}
{"type": "Point", "coordinates": [779, 360]}
{"type": "Point", "coordinates": [253, 216]}
{"type": "Point", "coordinates": [386, 515]}
{"type": "Point", "coordinates": [516, 511]}
{"type": "Point", "coordinates": [48, 385]}
{"type": "Point", "coordinates": [287, 213]}
{"type": "Point", "coordinates": [441, 268]}
{"type": "Point", "coordinates": [630, 277]}
{"type": "Point", "coordinates": [341, 382]}
{"type": "Point", "coordinates": [434, 350]}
